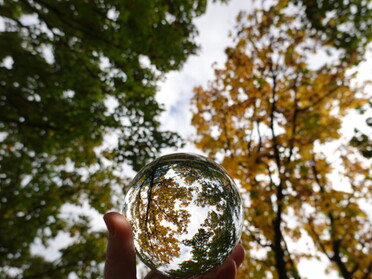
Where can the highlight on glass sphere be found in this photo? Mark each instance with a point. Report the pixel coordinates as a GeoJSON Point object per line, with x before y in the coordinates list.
{"type": "Point", "coordinates": [186, 214]}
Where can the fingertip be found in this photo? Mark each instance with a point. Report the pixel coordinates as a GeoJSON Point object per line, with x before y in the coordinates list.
{"type": "Point", "coordinates": [117, 224]}
{"type": "Point", "coordinates": [113, 217]}
{"type": "Point", "coordinates": [238, 254]}
{"type": "Point", "coordinates": [110, 223]}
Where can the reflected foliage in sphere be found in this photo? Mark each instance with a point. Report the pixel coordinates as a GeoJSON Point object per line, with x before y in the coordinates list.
{"type": "Point", "coordinates": [186, 214]}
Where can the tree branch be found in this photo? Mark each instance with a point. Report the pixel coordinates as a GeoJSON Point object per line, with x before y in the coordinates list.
{"type": "Point", "coordinates": [258, 240]}
{"type": "Point", "coordinates": [72, 23]}
{"type": "Point", "coordinates": [295, 274]}
{"type": "Point", "coordinates": [336, 242]}
{"type": "Point", "coordinates": [318, 100]}
{"type": "Point", "coordinates": [368, 272]}
{"type": "Point", "coordinates": [317, 239]}
{"type": "Point", "coordinates": [337, 259]}
{"type": "Point", "coordinates": [278, 249]}
{"type": "Point", "coordinates": [30, 124]}
{"type": "Point", "coordinates": [294, 120]}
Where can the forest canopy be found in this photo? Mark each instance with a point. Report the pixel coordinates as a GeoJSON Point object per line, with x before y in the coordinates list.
{"type": "Point", "coordinates": [78, 81]}
{"type": "Point", "coordinates": [72, 74]}
{"type": "Point", "coordinates": [272, 116]}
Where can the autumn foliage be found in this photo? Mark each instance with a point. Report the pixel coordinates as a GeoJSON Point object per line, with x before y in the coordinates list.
{"type": "Point", "coordinates": [271, 116]}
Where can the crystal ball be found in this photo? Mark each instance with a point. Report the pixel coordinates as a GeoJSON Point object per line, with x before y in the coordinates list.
{"type": "Point", "coordinates": [186, 214]}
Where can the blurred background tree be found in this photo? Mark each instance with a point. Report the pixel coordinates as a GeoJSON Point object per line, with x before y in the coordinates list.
{"type": "Point", "coordinates": [346, 25]}
{"type": "Point", "coordinates": [73, 73]}
{"type": "Point", "coordinates": [271, 117]}
{"type": "Point", "coordinates": [361, 139]}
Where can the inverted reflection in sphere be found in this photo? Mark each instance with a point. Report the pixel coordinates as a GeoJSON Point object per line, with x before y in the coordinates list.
{"type": "Point", "coordinates": [186, 214]}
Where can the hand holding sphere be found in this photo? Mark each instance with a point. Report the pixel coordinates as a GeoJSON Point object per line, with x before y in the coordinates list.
{"type": "Point", "coordinates": [186, 216]}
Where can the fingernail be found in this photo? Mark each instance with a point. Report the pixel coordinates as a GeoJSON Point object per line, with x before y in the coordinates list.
{"type": "Point", "coordinates": [110, 227]}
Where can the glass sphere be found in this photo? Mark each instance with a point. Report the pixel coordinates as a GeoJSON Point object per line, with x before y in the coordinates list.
{"type": "Point", "coordinates": [186, 214]}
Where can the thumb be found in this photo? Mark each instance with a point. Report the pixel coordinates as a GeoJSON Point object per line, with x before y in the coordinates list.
{"type": "Point", "coordinates": [120, 255]}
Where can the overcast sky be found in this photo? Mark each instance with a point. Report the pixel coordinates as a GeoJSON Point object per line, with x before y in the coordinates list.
{"type": "Point", "coordinates": [175, 92]}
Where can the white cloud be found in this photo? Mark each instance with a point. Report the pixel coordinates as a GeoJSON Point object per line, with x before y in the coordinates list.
{"type": "Point", "coordinates": [177, 89]}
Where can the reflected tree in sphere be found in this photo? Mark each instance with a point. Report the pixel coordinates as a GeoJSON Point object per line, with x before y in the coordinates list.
{"type": "Point", "coordinates": [186, 214]}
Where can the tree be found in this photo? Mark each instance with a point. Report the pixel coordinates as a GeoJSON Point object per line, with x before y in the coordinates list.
{"type": "Point", "coordinates": [73, 72]}
{"type": "Point", "coordinates": [269, 116]}
{"type": "Point", "coordinates": [362, 140]}
{"type": "Point", "coordinates": [347, 25]}
{"type": "Point", "coordinates": [187, 215]}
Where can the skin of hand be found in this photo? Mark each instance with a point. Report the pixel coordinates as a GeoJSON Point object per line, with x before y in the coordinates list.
{"type": "Point", "coordinates": [121, 259]}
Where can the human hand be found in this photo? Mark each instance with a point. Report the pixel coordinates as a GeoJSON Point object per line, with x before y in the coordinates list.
{"type": "Point", "coordinates": [121, 259]}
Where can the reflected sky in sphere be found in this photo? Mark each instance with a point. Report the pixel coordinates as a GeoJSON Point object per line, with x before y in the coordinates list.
{"type": "Point", "coordinates": [186, 214]}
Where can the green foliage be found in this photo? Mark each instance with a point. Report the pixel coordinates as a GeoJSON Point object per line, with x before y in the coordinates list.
{"type": "Point", "coordinates": [362, 139]}
{"type": "Point", "coordinates": [71, 73]}
{"type": "Point", "coordinates": [347, 25]}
